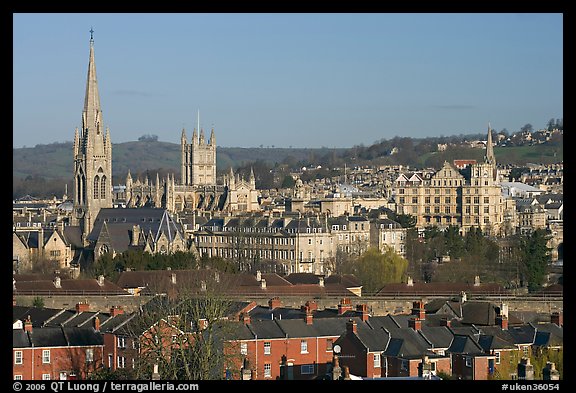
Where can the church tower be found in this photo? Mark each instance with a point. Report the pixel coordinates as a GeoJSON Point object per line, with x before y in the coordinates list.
{"type": "Point", "coordinates": [198, 159]}
{"type": "Point", "coordinates": [92, 157]}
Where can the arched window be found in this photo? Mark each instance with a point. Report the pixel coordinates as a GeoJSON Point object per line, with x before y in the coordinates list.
{"type": "Point", "coordinates": [96, 184]}
{"type": "Point", "coordinates": [103, 188]}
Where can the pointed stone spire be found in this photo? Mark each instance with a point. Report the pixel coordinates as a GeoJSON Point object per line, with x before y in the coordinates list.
{"type": "Point", "coordinates": [212, 141]}
{"type": "Point", "coordinates": [91, 116]}
{"type": "Point", "coordinates": [183, 138]}
{"type": "Point", "coordinates": [231, 180]}
{"type": "Point", "coordinates": [202, 139]}
{"type": "Point", "coordinates": [489, 158]}
{"type": "Point", "coordinates": [195, 137]}
{"type": "Point", "coordinates": [252, 178]}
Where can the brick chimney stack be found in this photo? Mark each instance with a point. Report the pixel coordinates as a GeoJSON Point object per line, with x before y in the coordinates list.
{"type": "Point", "coordinates": [363, 310]}
{"type": "Point", "coordinates": [97, 324]}
{"type": "Point", "coordinates": [344, 305]}
{"type": "Point", "coordinates": [245, 318]}
{"type": "Point", "coordinates": [351, 326]}
{"type": "Point", "coordinates": [81, 307]}
{"type": "Point", "coordinates": [308, 316]}
{"type": "Point", "coordinates": [116, 310]}
{"type": "Point", "coordinates": [28, 324]}
{"type": "Point", "coordinates": [418, 309]}
{"type": "Point", "coordinates": [275, 302]}
{"type": "Point", "coordinates": [445, 322]}
{"type": "Point", "coordinates": [312, 305]}
{"type": "Point", "coordinates": [502, 321]}
{"type": "Point", "coordinates": [415, 323]}
{"type": "Point", "coordinates": [557, 317]}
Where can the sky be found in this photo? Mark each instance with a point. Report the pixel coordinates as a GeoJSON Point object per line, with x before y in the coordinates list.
{"type": "Point", "coordinates": [287, 79]}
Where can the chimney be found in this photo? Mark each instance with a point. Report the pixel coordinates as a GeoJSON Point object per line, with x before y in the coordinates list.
{"type": "Point", "coordinates": [97, 324]}
{"type": "Point", "coordinates": [57, 282]}
{"type": "Point", "coordinates": [263, 284]}
{"type": "Point", "coordinates": [525, 369]}
{"type": "Point", "coordinates": [173, 278]}
{"type": "Point", "coordinates": [321, 281]}
{"type": "Point", "coordinates": [557, 317]}
{"type": "Point", "coordinates": [462, 297]}
{"type": "Point", "coordinates": [504, 309]}
{"type": "Point", "coordinates": [415, 323]}
{"type": "Point", "coordinates": [476, 281]}
{"type": "Point", "coordinates": [312, 305]}
{"type": "Point", "coordinates": [445, 322]}
{"type": "Point", "coordinates": [549, 373]}
{"type": "Point", "coordinates": [258, 275]}
{"type": "Point", "coordinates": [418, 309]}
{"type": "Point", "coordinates": [502, 321]}
{"type": "Point", "coordinates": [81, 307]}
{"type": "Point", "coordinates": [344, 305]}
{"type": "Point", "coordinates": [28, 324]}
{"type": "Point", "coordinates": [410, 282]}
{"type": "Point", "coordinates": [116, 310]}
{"type": "Point", "coordinates": [101, 280]}
{"type": "Point", "coordinates": [245, 318]}
{"type": "Point", "coordinates": [308, 316]}
{"type": "Point", "coordinates": [363, 310]}
{"type": "Point", "coordinates": [351, 326]}
{"type": "Point", "coordinates": [346, 371]}
{"type": "Point", "coordinates": [275, 302]}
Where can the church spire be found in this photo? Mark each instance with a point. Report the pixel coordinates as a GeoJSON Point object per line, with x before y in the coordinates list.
{"type": "Point", "coordinates": [91, 116]}
{"type": "Point", "coordinates": [489, 158]}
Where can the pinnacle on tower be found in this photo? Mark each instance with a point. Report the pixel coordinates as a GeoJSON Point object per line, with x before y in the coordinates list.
{"type": "Point", "coordinates": [489, 158]}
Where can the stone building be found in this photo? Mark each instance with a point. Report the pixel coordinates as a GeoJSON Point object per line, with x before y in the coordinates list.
{"type": "Point", "coordinates": [92, 158]}
{"type": "Point", "coordinates": [467, 198]}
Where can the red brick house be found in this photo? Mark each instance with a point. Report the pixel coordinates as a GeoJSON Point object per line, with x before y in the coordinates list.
{"type": "Point", "coordinates": [46, 353]}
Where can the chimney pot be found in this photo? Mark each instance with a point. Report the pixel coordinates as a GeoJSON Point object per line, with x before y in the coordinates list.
{"type": "Point", "coordinates": [81, 307]}
{"type": "Point", "coordinates": [351, 326]}
{"type": "Point", "coordinates": [415, 323]}
{"type": "Point", "coordinates": [97, 324]}
{"type": "Point", "coordinates": [28, 324]}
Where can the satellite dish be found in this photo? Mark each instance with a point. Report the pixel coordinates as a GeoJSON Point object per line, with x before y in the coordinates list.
{"type": "Point", "coordinates": [337, 348]}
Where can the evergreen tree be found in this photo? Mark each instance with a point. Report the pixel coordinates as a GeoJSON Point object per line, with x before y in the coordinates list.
{"type": "Point", "coordinates": [536, 258]}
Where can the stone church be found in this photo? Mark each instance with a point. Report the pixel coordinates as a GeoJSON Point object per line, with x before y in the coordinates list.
{"type": "Point", "coordinates": [197, 188]}
{"type": "Point", "coordinates": [102, 228]}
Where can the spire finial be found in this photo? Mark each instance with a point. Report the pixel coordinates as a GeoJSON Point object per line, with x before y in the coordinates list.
{"type": "Point", "coordinates": [91, 34]}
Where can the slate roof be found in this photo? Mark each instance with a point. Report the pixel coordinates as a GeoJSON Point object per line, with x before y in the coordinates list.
{"type": "Point", "coordinates": [548, 335]}
{"type": "Point", "coordinates": [465, 344]}
{"type": "Point", "coordinates": [440, 288]}
{"type": "Point", "coordinates": [408, 344]}
{"type": "Point", "coordinates": [56, 337]}
{"type": "Point", "coordinates": [67, 287]}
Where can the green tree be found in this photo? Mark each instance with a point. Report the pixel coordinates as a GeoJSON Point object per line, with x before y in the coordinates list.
{"type": "Point", "coordinates": [288, 182]}
{"type": "Point", "coordinates": [38, 302]}
{"type": "Point", "coordinates": [375, 269]}
{"type": "Point", "coordinates": [536, 258]}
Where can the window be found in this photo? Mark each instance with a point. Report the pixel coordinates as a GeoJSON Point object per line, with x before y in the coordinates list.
{"type": "Point", "coordinates": [303, 346]}
{"type": "Point", "coordinates": [376, 360]}
{"type": "Point", "coordinates": [497, 354]}
{"type": "Point", "coordinates": [436, 200]}
{"type": "Point", "coordinates": [45, 377]}
{"type": "Point", "coordinates": [414, 199]}
{"type": "Point", "coordinates": [55, 253]}
{"type": "Point", "coordinates": [525, 349]}
{"type": "Point", "coordinates": [18, 357]}
{"type": "Point", "coordinates": [121, 362]}
{"type": "Point", "coordinates": [17, 377]}
{"type": "Point", "coordinates": [468, 361]}
{"type": "Point", "coordinates": [329, 345]}
{"type": "Point", "coordinates": [427, 200]}
{"type": "Point", "coordinates": [267, 370]}
{"type": "Point", "coordinates": [405, 365]}
{"type": "Point", "coordinates": [89, 355]}
{"type": "Point", "coordinates": [267, 348]}
{"type": "Point", "coordinates": [307, 369]}
{"type": "Point", "coordinates": [46, 356]}
{"type": "Point", "coordinates": [121, 342]}
{"type": "Point", "coordinates": [244, 348]}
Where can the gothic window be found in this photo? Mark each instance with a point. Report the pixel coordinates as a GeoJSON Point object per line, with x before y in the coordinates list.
{"type": "Point", "coordinates": [104, 249]}
{"type": "Point", "coordinates": [103, 188]}
{"type": "Point", "coordinates": [96, 184]}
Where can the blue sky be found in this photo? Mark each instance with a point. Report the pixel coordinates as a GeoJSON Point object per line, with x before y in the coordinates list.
{"type": "Point", "coordinates": [287, 79]}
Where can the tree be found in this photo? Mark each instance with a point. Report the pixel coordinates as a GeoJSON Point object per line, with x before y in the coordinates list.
{"type": "Point", "coordinates": [375, 269]}
{"type": "Point", "coordinates": [183, 332]}
{"type": "Point", "coordinates": [527, 128]}
{"type": "Point", "coordinates": [288, 182]}
{"type": "Point", "coordinates": [536, 258]}
{"type": "Point", "coordinates": [38, 302]}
